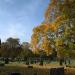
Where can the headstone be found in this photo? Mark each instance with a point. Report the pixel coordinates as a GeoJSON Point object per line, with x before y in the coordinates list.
{"type": "Point", "coordinates": [15, 73]}
{"type": "Point", "coordinates": [30, 66]}
{"type": "Point", "coordinates": [35, 73]}
{"type": "Point", "coordinates": [53, 71]}
{"type": "Point", "coordinates": [60, 71]}
{"type": "Point", "coordinates": [56, 71]}
{"type": "Point", "coordinates": [6, 61]}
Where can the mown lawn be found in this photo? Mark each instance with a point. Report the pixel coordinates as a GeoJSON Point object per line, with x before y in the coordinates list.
{"type": "Point", "coordinates": [22, 68]}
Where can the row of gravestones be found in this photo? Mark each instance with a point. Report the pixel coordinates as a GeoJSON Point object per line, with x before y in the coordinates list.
{"type": "Point", "coordinates": [31, 71]}
{"type": "Point", "coordinates": [27, 62]}
{"type": "Point", "coordinates": [32, 62]}
{"type": "Point", "coordinates": [52, 71]}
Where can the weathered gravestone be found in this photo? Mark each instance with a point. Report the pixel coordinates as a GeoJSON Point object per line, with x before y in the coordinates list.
{"type": "Point", "coordinates": [56, 71]}
{"type": "Point", "coordinates": [15, 73]}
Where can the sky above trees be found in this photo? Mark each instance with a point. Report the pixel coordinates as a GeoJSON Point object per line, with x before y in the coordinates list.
{"type": "Point", "coordinates": [19, 17]}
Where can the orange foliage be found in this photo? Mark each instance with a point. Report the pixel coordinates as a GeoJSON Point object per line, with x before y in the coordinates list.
{"type": "Point", "coordinates": [46, 45]}
{"type": "Point", "coordinates": [52, 27]}
{"type": "Point", "coordinates": [34, 39]}
{"type": "Point", "coordinates": [41, 29]}
{"type": "Point", "coordinates": [50, 7]}
{"type": "Point", "coordinates": [53, 4]}
{"type": "Point", "coordinates": [59, 20]}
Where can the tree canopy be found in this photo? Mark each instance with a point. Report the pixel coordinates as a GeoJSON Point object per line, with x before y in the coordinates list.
{"type": "Point", "coordinates": [57, 32]}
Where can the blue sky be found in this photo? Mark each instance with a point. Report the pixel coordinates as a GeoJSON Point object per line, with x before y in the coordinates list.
{"type": "Point", "coordinates": [19, 17]}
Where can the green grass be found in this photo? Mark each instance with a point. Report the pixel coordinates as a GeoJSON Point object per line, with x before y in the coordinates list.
{"type": "Point", "coordinates": [22, 68]}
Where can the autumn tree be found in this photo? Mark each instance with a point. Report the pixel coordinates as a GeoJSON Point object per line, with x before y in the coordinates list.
{"type": "Point", "coordinates": [58, 29]}
{"type": "Point", "coordinates": [60, 13]}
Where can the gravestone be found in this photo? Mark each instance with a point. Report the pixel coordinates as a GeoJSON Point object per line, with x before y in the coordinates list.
{"type": "Point", "coordinates": [56, 71]}
{"type": "Point", "coordinates": [35, 73]}
{"type": "Point", "coordinates": [30, 66]}
{"type": "Point", "coordinates": [15, 73]}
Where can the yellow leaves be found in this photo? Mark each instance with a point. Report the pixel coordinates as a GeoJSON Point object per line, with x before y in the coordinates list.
{"type": "Point", "coordinates": [36, 50]}
{"type": "Point", "coordinates": [52, 27]}
{"type": "Point", "coordinates": [34, 41]}
{"type": "Point", "coordinates": [49, 9]}
{"type": "Point", "coordinates": [36, 30]}
{"type": "Point", "coordinates": [59, 42]}
{"type": "Point", "coordinates": [59, 7]}
{"type": "Point", "coordinates": [58, 15]}
{"type": "Point", "coordinates": [59, 20]}
{"type": "Point", "coordinates": [41, 29]}
{"type": "Point", "coordinates": [46, 45]}
{"type": "Point", "coordinates": [44, 28]}
{"type": "Point", "coordinates": [67, 31]}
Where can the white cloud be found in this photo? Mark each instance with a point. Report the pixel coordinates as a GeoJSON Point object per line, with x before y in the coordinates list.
{"type": "Point", "coordinates": [24, 16]}
{"type": "Point", "coordinates": [13, 30]}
